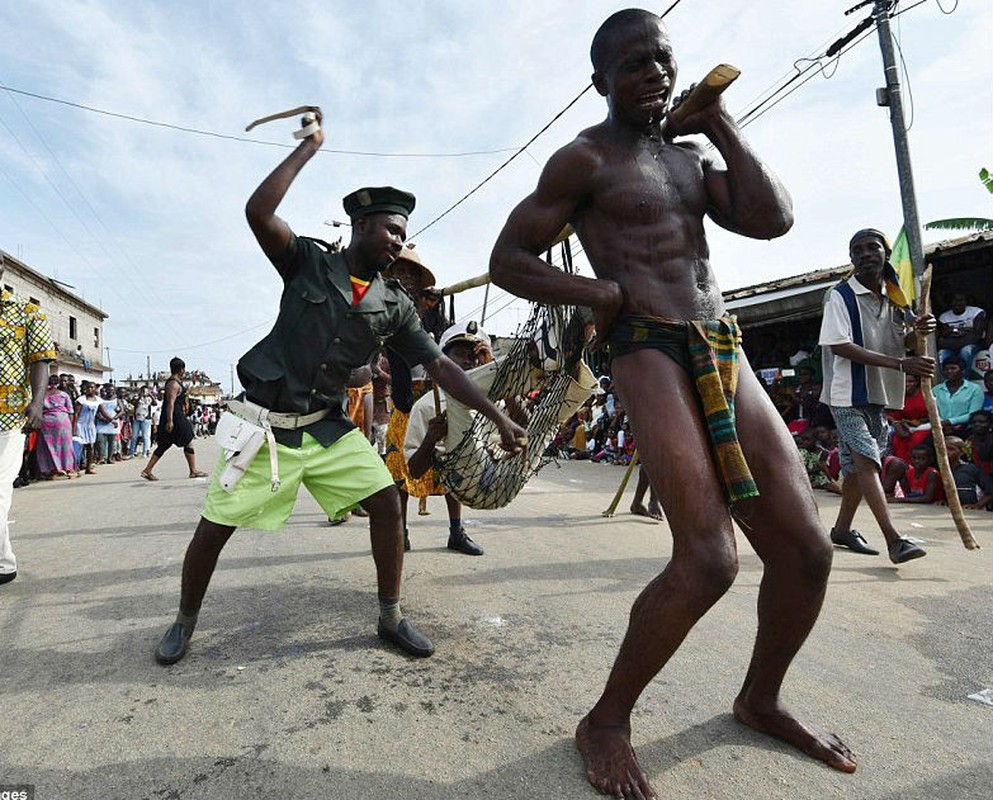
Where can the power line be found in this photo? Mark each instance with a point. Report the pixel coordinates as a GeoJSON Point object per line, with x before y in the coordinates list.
{"type": "Point", "coordinates": [523, 148]}
{"type": "Point", "coordinates": [98, 240]}
{"type": "Point", "coordinates": [246, 139]}
{"type": "Point", "coordinates": [487, 179]}
{"type": "Point", "coordinates": [201, 344]}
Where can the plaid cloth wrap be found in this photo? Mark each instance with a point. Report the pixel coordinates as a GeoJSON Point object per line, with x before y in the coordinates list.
{"type": "Point", "coordinates": [712, 347]}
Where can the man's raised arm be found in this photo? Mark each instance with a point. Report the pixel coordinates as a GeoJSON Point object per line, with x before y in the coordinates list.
{"type": "Point", "coordinates": [272, 233]}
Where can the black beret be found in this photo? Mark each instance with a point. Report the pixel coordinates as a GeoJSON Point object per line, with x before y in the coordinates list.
{"type": "Point", "coordinates": [378, 200]}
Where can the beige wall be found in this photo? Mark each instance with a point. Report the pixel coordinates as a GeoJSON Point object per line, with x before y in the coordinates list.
{"type": "Point", "coordinates": [61, 307]}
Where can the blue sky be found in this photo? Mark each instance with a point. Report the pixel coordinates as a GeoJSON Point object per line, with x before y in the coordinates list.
{"type": "Point", "coordinates": [147, 222]}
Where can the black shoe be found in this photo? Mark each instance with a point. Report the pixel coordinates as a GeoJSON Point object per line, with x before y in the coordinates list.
{"type": "Point", "coordinates": [905, 550]}
{"type": "Point", "coordinates": [462, 543]}
{"type": "Point", "coordinates": [406, 542]}
{"type": "Point", "coordinates": [174, 644]}
{"type": "Point", "coordinates": [854, 541]}
{"type": "Point", "coordinates": [7, 577]}
{"type": "Point", "coordinates": [407, 638]}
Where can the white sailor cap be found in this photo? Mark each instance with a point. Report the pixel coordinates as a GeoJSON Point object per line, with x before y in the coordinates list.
{"type": "Point", "coordinates": [463, 332]}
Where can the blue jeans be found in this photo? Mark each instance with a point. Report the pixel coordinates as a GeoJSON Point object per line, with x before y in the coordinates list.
{"type": "Point", "coordinates": [141, 429]}
{"type": "Point", "coordinates": [966, 353]}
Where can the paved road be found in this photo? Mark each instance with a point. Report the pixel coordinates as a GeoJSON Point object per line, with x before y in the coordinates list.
{"type": "Point", "coordinates": [287, 693]}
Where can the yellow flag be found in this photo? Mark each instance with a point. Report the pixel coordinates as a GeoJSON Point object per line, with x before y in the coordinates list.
{"type": "Point", "coordinates": [900, 259]}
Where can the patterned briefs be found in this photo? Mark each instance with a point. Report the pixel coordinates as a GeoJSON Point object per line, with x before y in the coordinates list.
{"type": "Point", "coordinates": [708, 351]}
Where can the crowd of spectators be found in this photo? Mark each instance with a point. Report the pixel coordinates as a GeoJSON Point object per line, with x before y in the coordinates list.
{"type": "Point", "coordinates": [89, 424]}
{"type": "Point", "coordinates": [598, 432]}
{"type": "Point", "coordinates": [92, 424]}
{"type": "Point", "coordinates": [963, 394]}
{"type": "Point", "coordinates": [963, 391]}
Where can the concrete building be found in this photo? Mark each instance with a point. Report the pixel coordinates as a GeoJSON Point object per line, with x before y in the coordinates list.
{"type": "Point", "coordinates": [77, 326]}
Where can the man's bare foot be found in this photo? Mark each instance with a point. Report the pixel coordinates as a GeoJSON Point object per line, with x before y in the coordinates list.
{"type": "Point", "coordinates": [611, 765]}
{"type": "Point", "coordinates": [641, 510]}
{"type": "Point", "coordinates": [781, 724]}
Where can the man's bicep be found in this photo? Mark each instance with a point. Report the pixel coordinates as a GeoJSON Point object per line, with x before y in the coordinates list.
{"type": "Point", "coordinates": [272, 233]}
{"type": "Point", "coordinates": [563, 186]}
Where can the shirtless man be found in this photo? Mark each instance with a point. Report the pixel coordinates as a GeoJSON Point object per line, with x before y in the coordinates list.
{"type": "Point", "coordinates": [637, 202]}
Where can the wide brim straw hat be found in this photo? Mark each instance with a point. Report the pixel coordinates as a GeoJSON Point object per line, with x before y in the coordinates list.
{"type": "Point", "coordinates": [408, 256]}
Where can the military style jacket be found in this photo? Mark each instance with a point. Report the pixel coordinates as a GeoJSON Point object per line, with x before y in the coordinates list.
{"type": "Point", "coordinates": [303, 364]}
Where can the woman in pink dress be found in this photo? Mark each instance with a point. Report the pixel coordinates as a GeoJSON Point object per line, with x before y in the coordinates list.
{"type": "Point", "coordinates": [54, 454]}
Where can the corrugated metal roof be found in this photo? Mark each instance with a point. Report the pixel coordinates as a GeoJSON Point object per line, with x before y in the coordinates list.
{"type": "Point", "coordinates": [797, 284]}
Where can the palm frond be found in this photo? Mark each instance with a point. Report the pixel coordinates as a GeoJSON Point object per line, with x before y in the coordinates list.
{"type": "Point", "coordinates": [960, 224]}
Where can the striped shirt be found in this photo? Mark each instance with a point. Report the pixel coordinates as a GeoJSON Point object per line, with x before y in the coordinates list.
{"type": "Point", "coordinates": [854, 314]}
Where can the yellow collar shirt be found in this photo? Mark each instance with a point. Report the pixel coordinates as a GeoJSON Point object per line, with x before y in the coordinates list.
{"type": "Point", "coordinates": [25, 339]}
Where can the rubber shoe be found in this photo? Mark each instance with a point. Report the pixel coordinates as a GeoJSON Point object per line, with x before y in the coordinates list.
{"type": "Point", "coordinates": [7, 577]}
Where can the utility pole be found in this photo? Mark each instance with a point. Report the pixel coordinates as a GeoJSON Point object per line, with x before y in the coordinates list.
{"type": "Point", "coordinates": [232, 380]}
{"type": "Point", "coordinates": [148, 368]}
{"type": "Point", "coordinates": [890, 96]}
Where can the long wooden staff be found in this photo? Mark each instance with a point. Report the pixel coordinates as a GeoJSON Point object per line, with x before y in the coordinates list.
{"type": "Point", "coordinates": [609, 512]}
{"type": "Point", "coordinates": [938, 434]}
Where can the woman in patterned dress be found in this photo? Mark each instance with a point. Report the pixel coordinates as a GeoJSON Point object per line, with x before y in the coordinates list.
{"type": "Point", "coordinates": [55, 456]}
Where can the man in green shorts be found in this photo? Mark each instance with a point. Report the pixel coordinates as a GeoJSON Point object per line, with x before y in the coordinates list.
{"type": "Point", "coordinates": [336, 312]}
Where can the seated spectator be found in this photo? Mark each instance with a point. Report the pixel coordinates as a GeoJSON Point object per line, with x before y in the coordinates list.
{"type": "Point", "coordinates": [815, 412]}
{"type": "Point", "coordinates": [961, 331]}
{"type": "Point", "coordinates": [988, 390]}
{"type": "Point", "coordinates": [806, 386]}
{"type": "Point", "coordinates": [910, 424]}
{"type": "Point", "coordinates": [980, 366]}
{"type": "Point", "coordinates": [981, 440]}
{"type": "Point", "coordinates": [956, 397]}
{"type": "Point", "coordinates": [827, 440]}
{"type": "Point", "coordinates": [975, 487]}
{"type": "Point", "coordinates": [815, 462]}
{"type": "Point", "coordinates": [921, 481]}
{"type": "Point", "coordinates": [891, 476]}
{"type": "Point", "coordinates": [786, 405]}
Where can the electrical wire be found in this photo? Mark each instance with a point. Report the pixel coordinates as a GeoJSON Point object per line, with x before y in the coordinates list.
{"type": "Point", "coordinates": [246, 139]}
{"type": "Point", "coordinates": [137, 284]}
{"type": "Point", "coordinates": [201, 344]}
{"type": "Point", "coordinates": [906, 76]}
{"type": "Point", "coordinates": [523, 148]}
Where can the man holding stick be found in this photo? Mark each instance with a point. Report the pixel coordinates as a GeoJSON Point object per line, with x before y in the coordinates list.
{"type": "Point", "coordinates": [864, 356]}
{"type": "Point", "coordinates": [335, 312]}
{"type": "Point", "coordinates": [637, 202]}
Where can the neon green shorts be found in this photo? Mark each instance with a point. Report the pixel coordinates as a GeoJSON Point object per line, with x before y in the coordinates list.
{"type": "Point", "coordinates": [337, 477]}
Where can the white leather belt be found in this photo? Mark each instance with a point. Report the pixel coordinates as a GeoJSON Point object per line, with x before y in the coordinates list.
{"type": "Point", "coordinates": [267, 420]}
{"type": "Point", "coordinates": [263, 417]}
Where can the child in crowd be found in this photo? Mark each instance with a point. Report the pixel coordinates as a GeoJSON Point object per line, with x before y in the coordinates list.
{"type": "Point", "coordinates": [921, 482]}
{"type": "Point", "coordinates": [975, 487]}
{"type": "Point", "coordinates": [815, 462]}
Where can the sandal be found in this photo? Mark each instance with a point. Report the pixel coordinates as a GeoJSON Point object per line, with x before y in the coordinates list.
{"type": "Point", "coordinates": [198, 474]}
{"type": "Point", "coordinates": [148, 476]}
